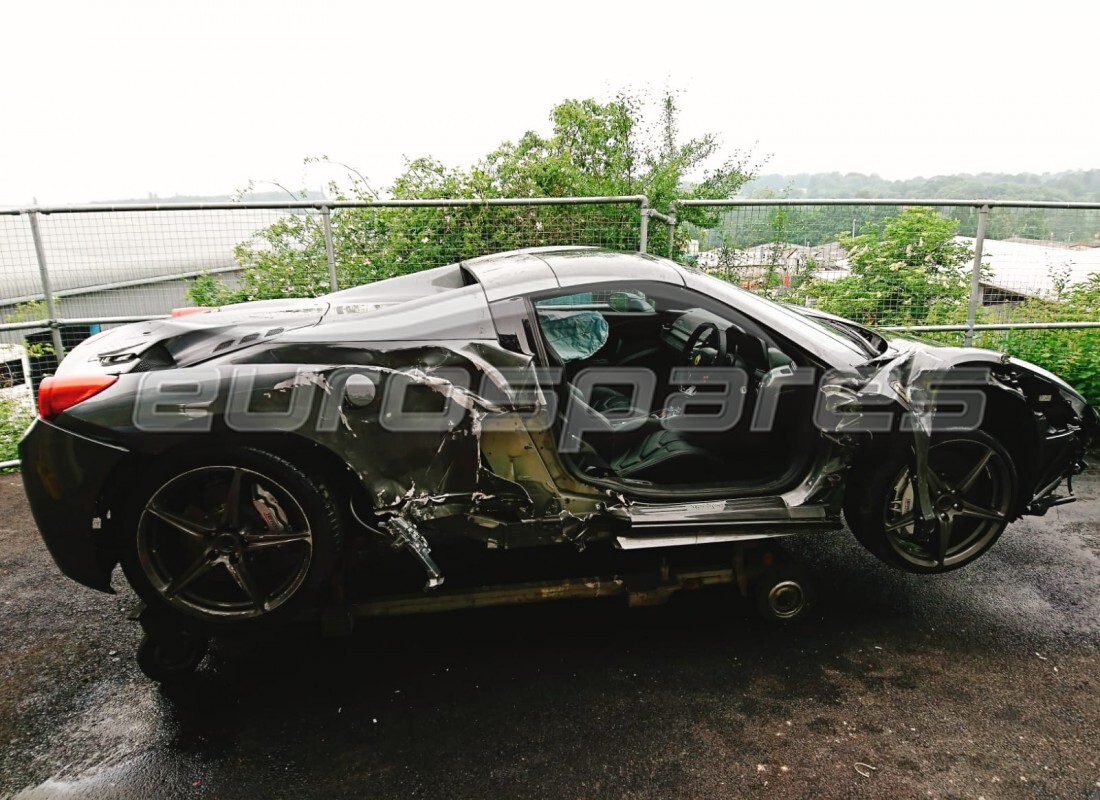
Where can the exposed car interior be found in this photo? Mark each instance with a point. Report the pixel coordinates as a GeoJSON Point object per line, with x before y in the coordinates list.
{"type": "Point", "coordinates": [627, 437]}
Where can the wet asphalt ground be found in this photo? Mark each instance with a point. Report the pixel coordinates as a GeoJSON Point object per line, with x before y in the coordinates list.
{"type": "Point", "coordinates": [980, 683]}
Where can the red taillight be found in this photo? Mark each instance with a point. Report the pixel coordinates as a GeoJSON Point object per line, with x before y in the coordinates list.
{"type": "Point", "coordinates": [58, 394]}
{"type": "Point", "coordinates": [183, 312]}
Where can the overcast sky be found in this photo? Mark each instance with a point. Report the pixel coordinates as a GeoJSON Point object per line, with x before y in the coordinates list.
{"type": "Point", "coordinates": [105, 100]}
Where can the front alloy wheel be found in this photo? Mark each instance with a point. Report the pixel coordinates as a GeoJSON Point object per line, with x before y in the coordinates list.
{"type": "Point", "coordinates": [971, 484]}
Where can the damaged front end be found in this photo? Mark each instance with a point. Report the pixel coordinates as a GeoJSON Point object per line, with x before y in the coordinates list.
{"type": "Point", "coordinates": [973, 439]}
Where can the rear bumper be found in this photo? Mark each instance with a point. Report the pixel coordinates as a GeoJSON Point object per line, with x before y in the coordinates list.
{"type": "Point", "coordinates": [63, 476]}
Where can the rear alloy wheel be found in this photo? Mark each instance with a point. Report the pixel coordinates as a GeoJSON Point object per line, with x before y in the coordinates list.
{"type": "Point", "coordinates": [972, 488]}
{"type": "Point", "coordinates": [245, 537]}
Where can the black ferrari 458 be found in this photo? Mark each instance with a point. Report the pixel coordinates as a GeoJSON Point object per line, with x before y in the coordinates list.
{"type": "Point", "coordinates": [392, 444]}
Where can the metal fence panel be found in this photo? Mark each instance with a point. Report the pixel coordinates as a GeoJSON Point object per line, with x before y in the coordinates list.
{"type": "Point", "coordinates": [775, 250]}
{"type": "Point", "coordinates": [18, 268]}
{"type": "Point", "coordinates": [1037, 260]}
{"type": "Point", "coordinates": [116, 262]}
{"type": "Point", "coordinates": [106, 265]}
{"type": "Point", "coordinates": [1037, 253]}
{"type": "Point", "coordinates": [109, 264]}
{"type": "Point", "coordinates": [1012, 276]}
{"type": "Point", "coordinates": [379, 242]}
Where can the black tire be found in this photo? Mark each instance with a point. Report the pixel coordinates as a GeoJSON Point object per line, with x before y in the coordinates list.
{"type": "Point", "coordinates": [170, 659]}
{"type": "Point", "coordinates": [973, 490]}
{"type": "Point", "coordinates": [230, 539]}
{"type": "Point", "coordinates": [784, 594]}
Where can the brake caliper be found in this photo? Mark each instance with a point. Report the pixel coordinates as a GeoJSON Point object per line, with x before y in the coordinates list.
{"type": "Point", "coordinates": [269, 510]}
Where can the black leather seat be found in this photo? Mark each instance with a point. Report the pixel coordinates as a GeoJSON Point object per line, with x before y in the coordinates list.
{"type": "Point", "coordinates": [608, 400]}
{"type": "Point", "coordinates": [640, 448]}
{"type": "Point", "coordinates": [623, 441]}
{"type": "Point", "coordinates": [668, 457]}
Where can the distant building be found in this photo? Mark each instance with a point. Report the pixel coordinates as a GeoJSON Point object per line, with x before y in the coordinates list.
{"type": "Point", "coordinates": [112, 264]}
{"type": "Point", "coordinates": [784, 261]}
{"type": "Point", "coordinates": [1019, 269]}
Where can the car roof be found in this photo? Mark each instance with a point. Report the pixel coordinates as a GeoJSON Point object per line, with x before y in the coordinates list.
{"type": "Point", "coordinates": [536, 269]}
{"type": "Point", "coordinates": [452, 302]}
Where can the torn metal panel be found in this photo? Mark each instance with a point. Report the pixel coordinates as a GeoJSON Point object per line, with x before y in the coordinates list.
{"type": "Point", "coordinates": [407, 537]}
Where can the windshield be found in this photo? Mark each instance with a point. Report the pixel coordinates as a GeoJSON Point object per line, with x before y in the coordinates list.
{"type": "Point", "coordinates": [824, 341]}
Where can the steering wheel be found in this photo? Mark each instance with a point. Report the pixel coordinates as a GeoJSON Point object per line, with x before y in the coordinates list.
{"type": "Point", "coordinates": [701, 334]}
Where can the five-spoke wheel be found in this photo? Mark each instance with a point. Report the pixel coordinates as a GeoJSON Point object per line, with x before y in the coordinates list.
{"type": "Point", "coordinates": [236, 538]}
{"type": "Point", "coordinates": [942, 516]}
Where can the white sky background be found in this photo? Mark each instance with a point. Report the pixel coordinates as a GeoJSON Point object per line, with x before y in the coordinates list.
{"type": "Point", "coordinates": [105, 100]}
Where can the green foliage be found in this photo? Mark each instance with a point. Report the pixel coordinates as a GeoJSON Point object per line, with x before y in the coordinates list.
{"type": "Point", "coordinates": [15, 416]}
{"type": "Point", "coordinates": [285, 259]}
{"type": "Point", "coordinates": [40, 349]}
{"type": "Point", "coordinates": [1069, 353]}
{"type": "Point", "coordinates": [594, 149]}
{"type": "Point", "coordinates": [908, 270]}
{"type": "Point", "coordinates": [206, 290]}
{"type": "Point", "coordinates": [32, 311]}
{"type": "Point", "coordinates": [904, 271]}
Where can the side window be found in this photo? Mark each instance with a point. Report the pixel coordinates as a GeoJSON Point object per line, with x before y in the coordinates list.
{"type": "Point", "coordinates": [578, 325]}
{"type": "Point", "coordinates": [645, 323]}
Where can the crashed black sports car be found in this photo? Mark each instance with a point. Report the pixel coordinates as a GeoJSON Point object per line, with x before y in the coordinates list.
{"type": "Point", "coordinates": [572, 399]}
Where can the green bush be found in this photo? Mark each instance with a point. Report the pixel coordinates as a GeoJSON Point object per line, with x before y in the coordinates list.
{"type": "Point", "coordinates": [1072, 354]}
{"type": "Point", "coordinates": [905, 270]}
{"type": "Point", "coordinates": [15, 415]}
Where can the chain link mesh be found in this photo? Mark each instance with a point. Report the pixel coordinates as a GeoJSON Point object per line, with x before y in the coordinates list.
{"type": "Point", "coordinates": [118, 263]}
{"type": "Point", "coordinates": [109, 266]}
{"type": "Point", "coordinates": [866, 263]}
{"type": "Point", "coordinates": [910, 266]}
{"type": "Point", "coordinates": [106, 266]}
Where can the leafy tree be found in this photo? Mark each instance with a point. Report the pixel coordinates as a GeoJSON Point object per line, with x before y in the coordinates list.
{"type": "Point", "coordinates": [594, 149]}
{"type": "Point", "coordinates": [904, 271]}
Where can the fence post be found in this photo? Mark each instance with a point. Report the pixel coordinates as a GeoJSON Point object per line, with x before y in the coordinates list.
{"type": "Point", "coordinates": [643, 229]}
{"type": "Point", "coordinates": [672, 233]}
{"type": "Point", "coordinates": [330, 252]}
{"type": "Point", "coordinates": [47, 290]}
{"type": "Point", "coordinates": [976, 276]}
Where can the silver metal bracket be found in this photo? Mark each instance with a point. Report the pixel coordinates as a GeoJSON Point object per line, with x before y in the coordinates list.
{"type": "Point", "coordinates": [406, 536]}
